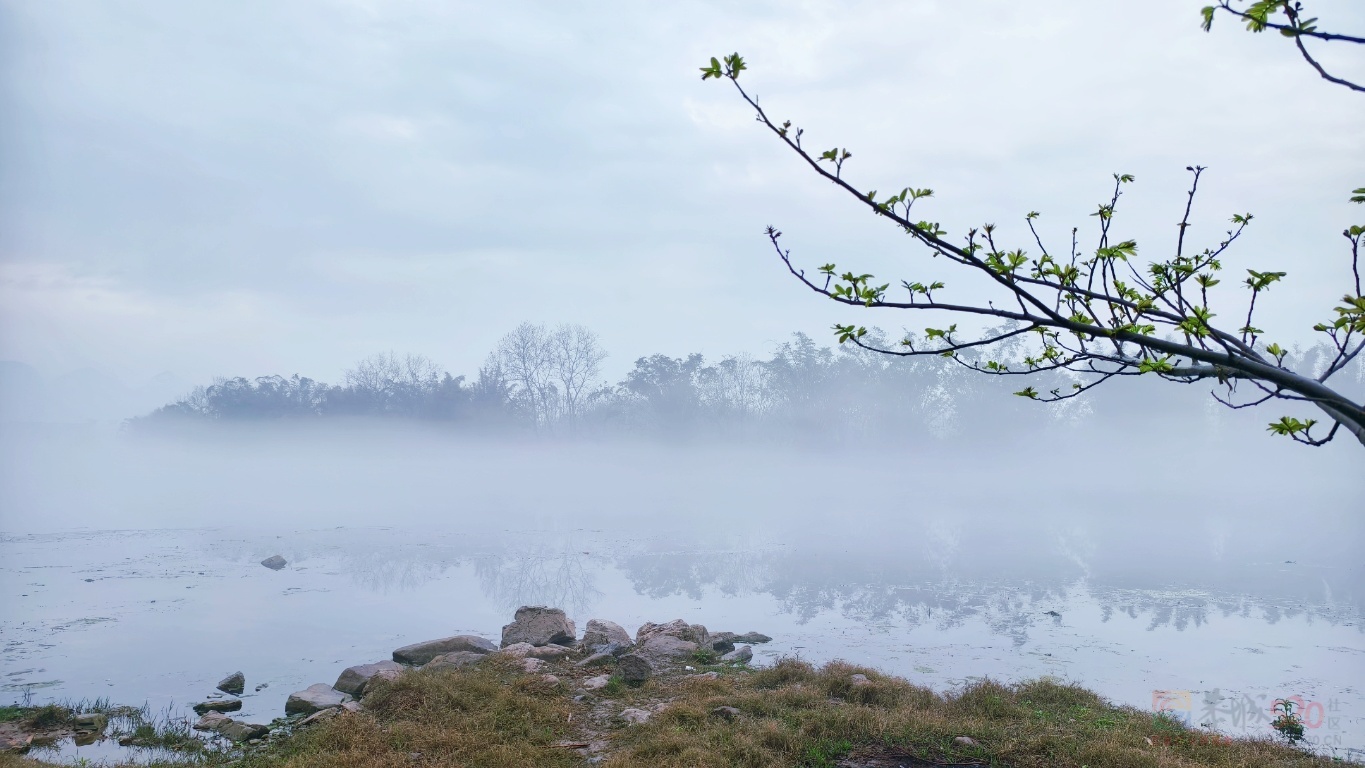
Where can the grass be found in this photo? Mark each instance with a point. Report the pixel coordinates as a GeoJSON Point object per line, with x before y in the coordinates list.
{"type": "Point", "coordinates": [792, 714]}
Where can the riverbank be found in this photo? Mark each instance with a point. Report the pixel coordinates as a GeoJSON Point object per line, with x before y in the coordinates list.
{"type": "Point", "coordinates": [673, 695]}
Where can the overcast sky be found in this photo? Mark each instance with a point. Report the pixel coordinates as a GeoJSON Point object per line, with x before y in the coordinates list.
{"type": "Point", "coordinates": [276, 187]}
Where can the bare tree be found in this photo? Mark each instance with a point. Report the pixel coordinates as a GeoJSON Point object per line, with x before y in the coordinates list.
{"type": "Point", "coordinates": [576, 359]}
{"type": "Point", "coordinates": [1093, 313]}
{"type": "Point", "coordinates": [550, 370]}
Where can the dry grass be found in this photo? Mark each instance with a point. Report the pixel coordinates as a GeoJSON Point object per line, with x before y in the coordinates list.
{"type": "Point", "coordinates": [792, 714]}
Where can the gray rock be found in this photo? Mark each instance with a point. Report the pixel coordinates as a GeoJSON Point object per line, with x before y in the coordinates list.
{"type": "Point", "coordinates": [634, 668]}
{"type": "Point", "coordinates": [90, 722]}
{"type": "Point", "coordinates": [530, 666]}
{"type": "Point", "coordinates": [600, 633]}
{"type": "Point", "coordinates": [314, 698]}
{"type": "Point", "coordinates": [722, 642]}
{"type": "Point", "coordinates": [693, 633]}
{"type": "Point", "coordinates": [965, 741]}
{"type": "Point", "coordinates": [525, 650]}
{"type": "Point", "coordinates": [596, 683]}
{"type": "Point", "coordinates": [712, 675]}
{"type": "Point", "coordinates": [666, 649]}
{"type": "Point", "coordinates": [234, 684]}
{"type": "Point", "coordinates": [217, 705]}
{"type": "Point", "coordinates": [354, 679]}
{"type": "Point", "coordinates": [752, 637]}
{"type": "Point", "coordinates": [859, 680]}
{"type": "Point", "coordinates": [211, 721]}
{"type": "Point", "coordinates": [454, 660]}
{"type": "Point", "coordinates": [351, 706]}
{"type": "Point", "coordinates": [274, 562]}
{"type": "Point", "coordinates": [725, 713]}
{"type": "Point", "coordinates": [634, 716]}
{"type": "Point", "coordinates": [550, 680]}
{"type": "Point", "coordinates": [597, 659]}
{"type": "Point", "coordinates": [740, 655]}
{"type": "Point", "coordinates": [238, 732]}
{"type": "Point", "coordinates": [539, 625]}
{"type": "Point", "coordinates": [418, 654]}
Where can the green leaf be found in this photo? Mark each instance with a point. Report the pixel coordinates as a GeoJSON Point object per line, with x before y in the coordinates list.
{"type": "Point", "coordinates": [1207, 13]}
{"type": "Point", "coordinates": [1358, 195]}
{"type": "Point", "coordinates": [1028, 392]}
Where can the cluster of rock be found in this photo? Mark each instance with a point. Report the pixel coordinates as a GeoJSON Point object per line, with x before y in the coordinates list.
{"type": "Point", "coordinates": [537, 635]}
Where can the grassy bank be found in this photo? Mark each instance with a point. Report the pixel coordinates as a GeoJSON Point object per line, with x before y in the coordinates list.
{"type": "Point", "coordinates": [496, 716]}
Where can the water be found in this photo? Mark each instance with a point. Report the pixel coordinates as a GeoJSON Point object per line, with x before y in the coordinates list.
{"type": "Point", "coordinates": [161, 615]}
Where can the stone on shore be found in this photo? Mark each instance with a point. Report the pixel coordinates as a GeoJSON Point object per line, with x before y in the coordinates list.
{"type": "Point", "coordinates": [595, 683]}
{"type": "Point", "coordinates": [217, 705]}
{"type": "Point", "coordinates": [321, 716]}
{"type": "Point", "coordinates": [599, 658]}
{"type": "Point", "coordinates": [666, 649]}
{"type": "Point", "coordinates": [454, 660]}
{"type": "Point", "coordinates": [721, 642]}
{"type": "Point", "coordinates": [238, 732]}
{"type": "Point", "coordinates": [635, 716]}
{"type": "Point", "coordinates": [418, 654]}
{"type": "Point", "coordinates": [314, 698]}
{"type": "Point", "coordinates": [354, 679]}
{"type": "Point", "coordinates": [539, 625]}
{"type": "Point", "coordinates": [601, 635]}
{"type": "Point", "coordinates": [274, 562]}
{"type": "Point", "coordinates": [740, 655]}
{"type": "Point", "coordinates": [211, 721]}
{"type": "Point", "coordinates": [90, 722]}
{"type": "Point", "coordinates": [234, 684]}
{"type": "Point", "coordinates": [634, 668]}
{"type": "Point", "coordinates": [752, 637]}
{"type": "Point", "coordinates": [693, 633]}
{"type": "Point", "coordinates": [526, 650]}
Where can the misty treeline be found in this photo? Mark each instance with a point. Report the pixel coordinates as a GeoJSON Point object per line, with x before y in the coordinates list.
{"type": "Point", "coordinates": [547, 380]}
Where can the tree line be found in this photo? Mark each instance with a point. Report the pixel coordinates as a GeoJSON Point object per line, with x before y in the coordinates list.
{"type": "Point", "coordinates": [548, 380]}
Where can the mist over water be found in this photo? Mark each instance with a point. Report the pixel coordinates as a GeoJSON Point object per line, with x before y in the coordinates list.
{"type": "Point", "coordinates": [131, 561]}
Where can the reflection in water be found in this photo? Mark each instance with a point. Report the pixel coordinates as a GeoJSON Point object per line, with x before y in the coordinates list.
{"type": "Point", "coordinates": [541, 575]}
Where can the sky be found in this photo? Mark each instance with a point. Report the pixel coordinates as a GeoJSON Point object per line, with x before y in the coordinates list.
{"type": "Point", "coordinates": [288, 187]}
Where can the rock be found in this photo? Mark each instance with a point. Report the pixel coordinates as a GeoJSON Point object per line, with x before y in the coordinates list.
{"type": "Point", "coordinates": [220, 705]}
{"type": "Point", "coordinates": [530, 666]}
{"type": "Point", "coordinates": [321, 716]}
{"type": "Point", "coordinates": [238, 732]}
{"type": "Point", "coordinates": [354, 679]}
{"type": "Point", "coordinates": [418, 654]}
{"type": "Point", "coordinates": [712, 675]}
{"type": "Point", "coordinates": [550, 680]}
{"type": "Point", "coordinates": [314, 698]}
{"type": "Point", "coordinates": [725, 713]}
{"type": "Point", "coordinates": [91, 721]}
{"type": "Point", "coordinates": [15, 742]}
{"type": "Point", "coordinates": [234, 684]}
{"type": "Point", "coordinates": [605, 633]}
{"type": "Point", "coordinates": [454, 660]}
{"type": "Point", "coordinates": [601, 657]}
{"type": "Point", "coordinates": [274, 562]}
{"type": "Point", "coordinates": [525, 650]}
{"type": "Point", "coordinates": [752, 637]}
{"type": "Point", "coordinates": [740, 655]}
{"type": "Point", "coordinates": [634, 716]}
{"type": "Point", "coordinates": [666, 649]}
{"type": "Point", "coordinates": [211, 721]}
{"type": "Point", "coordinates": [860, 680]}
{"type": "Point", "coordinates": [634, 668]}
{"type": "Point", "coordinates": [539, 625]}
{"type": "Point", "coordinates": [693, 633]}
{"type": "Point", "coordinates": [262, 687]}
{"type": "Point", "coordinates": [965, 741]}
{"type": "Point", "coordinates": [352, 707]}
{"type": "Point", "coordinates": [596, 683]}
{"type": "Point", "coordinates": [721, 642]}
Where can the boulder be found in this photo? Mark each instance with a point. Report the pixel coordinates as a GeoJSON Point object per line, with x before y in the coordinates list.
{"type": "Point", "coordinates": [238, 732]}
{"type": "Point", "coordinates": [693, 633]}
{"type": "Point", "coordinates": [595, 683]}
{"type": "Point", "coordinates": [217, 705]}
{"type": "Point", "coordinates": [530, 666]}
{"type": "Point", "coordinates": [601, 635]}
{"type": "Point", "coordinates": [549, 680]}
{"type": "Point", "coordinates": [539, 625]}
{"type": "Point", "coordinates": [321, 716]}
{"type": "Point", "coordinates": [526, 650]}
{"type": "Point", "coordinates": [752, 637]}
{"type": "Point", "coordinates": [599, 658]}
{"type": "Point", "coordinates": [354, 679]}
{"type": "Point", "coordinates": [635, 716]}
{"type": "Point", "coordinates": [418, 654]}
{"type": "Point", "coordinates": [234, 684]}
{"type": "Point", "coordinates": [454, 660]}
{"type": "Point", "coordinates": [634, 668]}
{"type": "Point", "coordinates": [274, 562]}
{"type": "Point", "coordinates": [314, 698]}
{"type": "Point", "coordinates": [721, 642]}
{"type": "Point", "coordinates": [666, 649]}
{"type": "Point", "coordinates": [89, 722]}
{"type": "Point", "coordinates": [351, 706]}
{"type": "Point", "coordinates": [740, 655]}
{"type": "Point", "coordinates": [211, 721]}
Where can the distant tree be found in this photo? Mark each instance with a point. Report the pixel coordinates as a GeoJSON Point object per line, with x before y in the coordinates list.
{"type": "Point", "coordinates": [549, 370]}
{"type": "Point", "coordinates": [1092, 313]}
